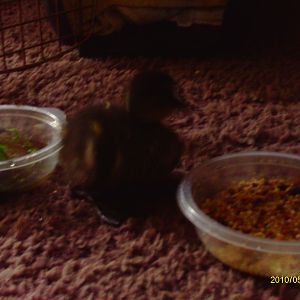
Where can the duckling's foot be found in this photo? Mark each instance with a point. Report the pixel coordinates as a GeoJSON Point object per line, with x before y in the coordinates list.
{"type": "Point", "coordinates": [106, 213]}
{"type": "Point", "coordinates": [78, 192]}
{"type": "Point", "coordinates": [110, 217]}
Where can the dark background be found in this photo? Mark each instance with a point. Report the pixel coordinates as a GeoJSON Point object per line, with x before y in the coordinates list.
{"type": "Point", "coordinates": [247, 24]}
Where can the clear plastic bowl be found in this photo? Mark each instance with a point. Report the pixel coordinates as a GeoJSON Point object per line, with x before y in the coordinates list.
{"type": "Point", "coordinates": [43, 125]}
{"type": "Point", "coordinates": [259, 256]}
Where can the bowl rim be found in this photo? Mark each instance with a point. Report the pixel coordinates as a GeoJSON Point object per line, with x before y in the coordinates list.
{"type": "Point", "coordinates": [57, 116]}
{"type": "Point", "coordinates": [213, 228]}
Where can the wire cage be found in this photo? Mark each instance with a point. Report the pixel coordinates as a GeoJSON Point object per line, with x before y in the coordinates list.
{"type": "Point", "coordinates": [35, 31]}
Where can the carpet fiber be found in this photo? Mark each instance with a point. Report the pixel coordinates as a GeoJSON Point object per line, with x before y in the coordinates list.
{"type": "Point", "coordinates": [53, 246]}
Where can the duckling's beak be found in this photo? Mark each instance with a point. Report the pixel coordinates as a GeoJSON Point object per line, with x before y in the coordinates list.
{"type": "Point", "coordinates": [179, 105]}
{"type": "Point", "coordinates": [176, 103]}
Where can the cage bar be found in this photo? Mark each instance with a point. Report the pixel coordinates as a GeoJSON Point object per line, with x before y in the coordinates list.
{"type": "Point", "coordinates": [20, 13]}
{"type": "Point", "coordinates": [43, 47]}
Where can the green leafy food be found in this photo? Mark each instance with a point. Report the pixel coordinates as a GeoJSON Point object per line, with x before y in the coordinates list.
{"type": "Point", "coordinates": [15, 134]}
{"type": "Point", "coordinates": [30, 148]}
{"type": "Point", "coordinates": [3, 154]}
{"type": "Point", "coordinates": [13, 144]}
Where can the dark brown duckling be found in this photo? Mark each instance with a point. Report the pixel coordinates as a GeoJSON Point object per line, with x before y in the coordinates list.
{"type": "Point", "coordinates": [152, 95]}
{"type": "Point", "coordinates": [122, 158]}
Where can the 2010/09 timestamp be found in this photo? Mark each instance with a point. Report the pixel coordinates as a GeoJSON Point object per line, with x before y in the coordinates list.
{"type": "Point", "coordinates": [285, 279]}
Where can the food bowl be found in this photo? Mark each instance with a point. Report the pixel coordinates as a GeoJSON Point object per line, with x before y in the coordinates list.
{"type": "Point", "coordinates": [247, 253]}
{"type": "Point", "coordinates": [41, 125]}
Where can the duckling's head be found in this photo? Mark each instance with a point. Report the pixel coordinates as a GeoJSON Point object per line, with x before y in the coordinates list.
{"type": "Point", "coordinates": [152, 96]}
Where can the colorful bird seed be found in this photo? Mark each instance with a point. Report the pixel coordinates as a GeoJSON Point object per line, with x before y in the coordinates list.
{"type": "Point", "coordinates": [268, 208]}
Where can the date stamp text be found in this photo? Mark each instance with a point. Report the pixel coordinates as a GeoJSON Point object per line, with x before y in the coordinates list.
{"type": "Point", "coordinates": [285, 279]}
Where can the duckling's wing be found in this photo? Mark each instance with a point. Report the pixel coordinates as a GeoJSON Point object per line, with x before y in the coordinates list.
{"type": "Point", "coordinates": [151, 154]}
{"type": "Point", "coordinates": [79, 152]}
{"type": "Point", "coordinates": [89, 152]}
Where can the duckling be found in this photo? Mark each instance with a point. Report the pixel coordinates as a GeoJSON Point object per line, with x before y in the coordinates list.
{"type": "Point", "coordinates": [122, 158]}
{"type": "Point", "coordinates": [151, 96]}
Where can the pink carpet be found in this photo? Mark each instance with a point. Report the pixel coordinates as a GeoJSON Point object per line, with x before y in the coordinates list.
{"type": "Point", "coordinates": [53, 246]}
